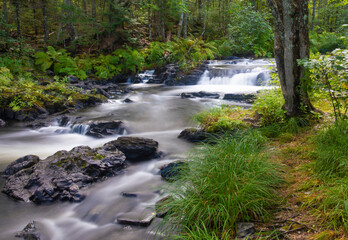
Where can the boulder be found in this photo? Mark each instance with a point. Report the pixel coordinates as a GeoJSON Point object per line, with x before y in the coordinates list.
{"type": "Point", "coordinates": [102, 129]}
{"type": "Point", "coordinates": [135, 148]}
{"type": "Point", "coordinates": [30, 232]}
{"type": "Point", "coordinates": [21, 163]}
{"type": "Point", "coordinates": [245, 97]}
{"type": "Point", "coordinates": [193, 135]}
{"type": "Point", "coordinates": [63, 175]}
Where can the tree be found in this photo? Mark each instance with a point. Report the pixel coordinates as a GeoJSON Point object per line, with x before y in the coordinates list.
{"type": "Point", "coordinates": [291, 42]}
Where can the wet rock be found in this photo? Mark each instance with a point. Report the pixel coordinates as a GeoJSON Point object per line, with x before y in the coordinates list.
{"type": "Point", "coordinates": [30, 232]}
{"type": "Point", "coordinates": [161, 208]}
{"type": "Point", "coordinates": [102, 129]}
{"type": "Point", "coordinates": [2, 123]}
{"type": "Point", "coordinates": [127, 100]}
{"type": "Point", "coordinates": [245, 97]}
{"type": "Point", "coordinates": [63, 175]}
{"type": "Point", "coordinates": [21, 163]}
{"type": "Point", "coordinates": [193, 135]}
{"type": "Point", "coordinates": [143, 219]}
{"type": "Point", "coordinates": [166, 73]}
{"type": "Point", "coordinates": [200, 94]}
{"type": "Point", "coordinates": [245, 230]}
{"type": "Point", "coordinates": [182, 79]}
{"type": "Point", "coordinates": [135, 148]}
{"type": "Point", "coordinates": [171, 171]}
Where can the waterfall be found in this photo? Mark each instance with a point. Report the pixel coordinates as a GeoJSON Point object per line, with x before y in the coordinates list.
{"type": "Point", "coordinates": [238, 73]}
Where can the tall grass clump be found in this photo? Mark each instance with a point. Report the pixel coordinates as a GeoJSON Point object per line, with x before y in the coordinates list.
{"type": "Point", "coordinates": [222, 184]}
{"type": "Point", "coordinates": [332, 151]}
{"type": "Point", "coordinates": [331, 166]}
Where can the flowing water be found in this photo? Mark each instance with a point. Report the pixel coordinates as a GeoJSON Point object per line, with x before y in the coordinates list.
{"type": "Point", "coordinates": [156, 112]}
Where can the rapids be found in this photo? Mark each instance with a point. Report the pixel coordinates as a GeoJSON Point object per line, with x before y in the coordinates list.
{"type": "Point", "coordinates": [156, 112]}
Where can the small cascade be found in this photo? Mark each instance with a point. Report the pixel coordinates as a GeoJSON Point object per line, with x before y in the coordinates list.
{"type": "Point", "coordinates": [237, 72]}
{"type": "Point", "coordinates": [146, 76]}
{"type": "Point", "coordinates": [79, 129]}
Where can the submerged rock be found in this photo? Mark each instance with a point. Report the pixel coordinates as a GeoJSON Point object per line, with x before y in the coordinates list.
{"type": "Point", "coordinates": [63, 175]}
{"type": "Point", "coordinates": [135, 148]}
{"type": "Point", "coordinates": [2, 123]}
{"type": "Point", "coordinates": [143, 219]}
{"type": "Point", "coordinates": [102, 129]}
{"type": "Point", "coordinates": [30, 232]}
{"type": "Point", "coordinates": [200, 94]}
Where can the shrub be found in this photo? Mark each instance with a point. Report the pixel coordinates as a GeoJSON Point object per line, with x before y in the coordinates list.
{"type": "Point", "coordinates": [329, 76]}
{"type": "Point", "coordinates": [222, 184]}
{"type": "Point", "coordinates": [224, 118]}
{"type": "Point", "coordinates": [326, 42]}
{"type": "Point", "coordinates": [268, 107]}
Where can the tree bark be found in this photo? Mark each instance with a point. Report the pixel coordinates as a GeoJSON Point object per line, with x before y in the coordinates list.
{"type": "Point", "coordinates": [313, 13]}
{"type": "Point", "coordinates": [18, 19]}
{"type": "Point", "coordinates": [45, 21]}
{"type": "Point", "coordinates": [5, 15]}
{"type": "Point", "coordinates": [180, 23]}
{"type": "Point", "coordinates": [291, 42]}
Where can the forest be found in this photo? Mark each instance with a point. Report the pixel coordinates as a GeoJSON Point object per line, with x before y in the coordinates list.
{"type": "Point", "coordinates": [260, 88]}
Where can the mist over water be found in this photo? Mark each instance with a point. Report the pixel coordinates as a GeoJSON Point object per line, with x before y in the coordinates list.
{"type": "Point", "coordinates": [157, 112]}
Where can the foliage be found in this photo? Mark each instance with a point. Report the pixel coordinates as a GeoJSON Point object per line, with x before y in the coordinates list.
{"type": "Point", "coordinates": [60, 62]}
{"type": "Point", "coordinates": [5, 77]}
{"type": "Point", "coordinates": [268, 107]}
{"type": "Point", "coordinates": [224, 118]}
{"type": "Point", "coordinates": [11, 63]}
{"type": "Point", "coordinates": [249, 32]}
{"type": "Point", "coordinates": [329, 74]}
{"type": "Point", "coordinates": [326, 42]}
{"type": "Point", "coordinates": [222, 184]}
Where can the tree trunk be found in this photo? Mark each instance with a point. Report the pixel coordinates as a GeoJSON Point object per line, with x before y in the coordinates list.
{"type": "Point", "coordinates": [70, 24]}
{"type": "Point", "coordinates": [313, 14]}
{"type": "Point", "coordinates": [45, 21]}
{"type": "Point", "coordinates": [5, 14]}
{"type": "Point", "coordinates": [180, 23]}
{"type": "Point", "coordinates": [94, 10]}
{"type": "Point", "coordinates": [18, 20]}
{"type": "Point", "coordinates": [34, 13]}
{"type": "Point", "coordinates": [185, 25]}
{"type": "Point", "coordinates": [291, 42]}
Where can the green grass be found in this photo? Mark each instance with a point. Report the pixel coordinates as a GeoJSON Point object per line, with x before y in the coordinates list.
{"type": "Point", "coordinates": [331, 167]}
{"type": "Point", "coordinates": [223, 184]}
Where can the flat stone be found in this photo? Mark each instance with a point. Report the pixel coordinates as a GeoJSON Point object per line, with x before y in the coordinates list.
{"type": "Point", "coordinates": [245, 230]}
{"type": "Point", "coordinates": [30, 232]}
{"type": "Point", "coordinates": [245, 97]}
{"type": "Point", "coordinates": [137, 218]}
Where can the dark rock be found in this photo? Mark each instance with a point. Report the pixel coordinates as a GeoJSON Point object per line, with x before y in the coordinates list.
{"type": "Point", "coordinates": [161, 208]}
{"type": "Point", "coordinates": [200, 94]}
{"type": "Point", "coordinates": [135, 148]}
{"type": "Point", "coordinates": [127, 194]}
{"type": "Point", "coordinates": [105, 128]}
{"type": "Point", "coordinates": [50, 73]}
{"type": "Point", "coordinates": [193, 135]}
{"type": "Point", "coordinates": [73, 79]}
{"type": "Point", "coordinates": [171, 171]}
{"type": "Point", "coordinates": [245, 230]}
{"type": "Point", "coordinates": [30, 232]}
{"type": "Point", "coordinates": [166, 73]}
{"type": "Point", "coordinates": [2, 123]}
{"type": "Point", "coordinates": [63, 175]}
{"type": "Point", "coordinates": [21, 163]}
{"type": "Point", "coordinates": [182, 79]}
{"type": "Point", "coordinates": [245, 97]}
{"type": "Point", "coordinates": [127, 100]}
{"type": "Point", "coordinates": [64, 120]}
{"type": "Point", "coordinates": [143, 219]}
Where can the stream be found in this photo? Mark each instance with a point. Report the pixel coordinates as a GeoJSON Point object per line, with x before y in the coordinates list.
{"type": "Point", "coordinates": [157, 112]}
